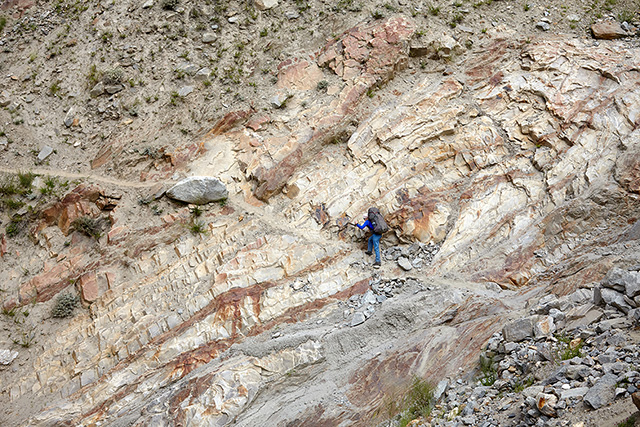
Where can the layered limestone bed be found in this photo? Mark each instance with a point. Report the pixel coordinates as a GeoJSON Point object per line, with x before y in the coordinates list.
{"type": "Point", "coordinates": [520, 163]}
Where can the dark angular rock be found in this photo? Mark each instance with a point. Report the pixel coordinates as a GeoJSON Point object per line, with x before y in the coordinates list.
{"type": "Point", "coordinates": [603, 391]}
{"type": "Point", "coordinates": [518, 330]}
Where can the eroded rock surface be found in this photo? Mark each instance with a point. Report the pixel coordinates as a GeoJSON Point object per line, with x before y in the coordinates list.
{"type": "Point", "coordinates": [520, 166]}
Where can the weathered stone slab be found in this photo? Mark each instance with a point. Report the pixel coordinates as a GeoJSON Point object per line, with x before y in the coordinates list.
{"type": "Point", "coordinates": [603, 391]}
{"type": "Point", "coordinates": [608, 30]}
{"type": "Point", "coordinates": [198, 190]}
{"type": "Point", "coordinates": [518, 330]}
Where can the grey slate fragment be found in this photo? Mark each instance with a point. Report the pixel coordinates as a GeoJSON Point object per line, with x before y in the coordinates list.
{"type": "Point", "coordinates": [603, 392]}
{"type": "Point", "coordinates": [44, 153]}
{"type": "Point", "coordinates": [518, 330]}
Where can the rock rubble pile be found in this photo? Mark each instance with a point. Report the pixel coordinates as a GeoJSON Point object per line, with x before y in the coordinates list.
{"type": "Point", "coordinates": [571, 355]}
{"type": "Point", "coordinates": [413, 256]}
{"type": "Point", "coordinates": [362, 306]}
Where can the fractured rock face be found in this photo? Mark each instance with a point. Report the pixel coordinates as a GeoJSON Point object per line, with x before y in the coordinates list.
{"type": "Point", "coordinates": [198, 190]}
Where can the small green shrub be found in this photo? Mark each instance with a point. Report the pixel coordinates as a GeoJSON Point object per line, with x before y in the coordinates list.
{"type": "Point", "coordinates": [222, 202]}
{"type": "Point", "coordinates": [626, 16]}
{"type": "Point", "coordinates": [87, 226]}
{"type": "Point", "coordinates": [113, 76]}
{"type": "Point", "coordinates": [26, 179]}
{"type": "Point", "coordinates": [433, 10]}
{"type": "Point", "coordinates": [54, 89]}
{"type": "Point", "coordinates": [322, 85]}
{"type": "Point", "coordinates": [3, 23]}
{"type": "Point", "coordinates": [196, 211]}
{"type": "Point", "coordinates": [522, 384]}
{"type": "Point", "coordinates": [15, 226]}
{"type": "Point", "coordinates": [26, 339]}
{"type": "Point", "coordinates": [65, 304]}
{"type": "Point", "coordinates": [198, 227]}
{"type": "Point", "coordinates": [489, 372]}
{"type": "Point", "coordinates": [11, 203]}
{"type": "Point", "coordinates": [376, 14]}
{"type": "Point", "coordinates": [416, 402]}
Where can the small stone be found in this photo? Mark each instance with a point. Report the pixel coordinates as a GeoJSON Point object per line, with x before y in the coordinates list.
{"type": "Point", "coordinates": [440, 389]}
{"type": "Point", "coordinates": [97, 90]}
{"type": "Point", "coordinates": [185, 90]}
{"type": "Point", "coordinates": [113, 89]}
{"type": "Point", "coordinates": [203, 74]}
{"type": "Point", "coordinates": [279, 100]}
{"type": "Point", "coordinates": [544, 26]}
{"type": "Point", "coordinates": [573, 17]}
{"type": "Point", "coordinates": [148, 4]}
{"type": "Point", "coordinates": [7, 356]}
{"type": "Point", "coordinates": [265, 4]}
{"type": "Point", "coordinates": [510, 346]}
{"type": "Point", "coordinates": [292, 14]}
{"type": "Point", "coordinates": [233, 19]}
{"type": "Point", "coordinates": [209, 37]}
{"type": "Point", "coordinates": [546, 404]}
{"type": "Point", "coordinates": [358, 318]}
{"type": "Point", "coordinates": [44, 153]}
{"type": "Point", "coordinates": [69, 117]}
{"type": "Point", "coordinates": [404, 263]}
{"type": "Point", "coordinates": [573, 393]}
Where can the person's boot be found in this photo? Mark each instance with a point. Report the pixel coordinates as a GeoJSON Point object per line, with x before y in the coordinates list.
{"type": "Point", "coordinates": [368, 252]}
{"type": "Point", "coordinates": [376, 264]}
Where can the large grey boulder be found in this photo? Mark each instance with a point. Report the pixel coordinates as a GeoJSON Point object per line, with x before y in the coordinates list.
{"type": "Point", "coordinates": [602, 296]}
{"type": "Point", "coordinates": [603, 391]}
{"type": "Point", "coordinates": [623, 281]}
{"type": "Point", "coordinates": [198, 190]}
{"type": "Point", "coordinates": [518, 330]}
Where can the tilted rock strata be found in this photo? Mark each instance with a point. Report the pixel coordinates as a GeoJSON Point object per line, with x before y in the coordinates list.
{"type": "Point", "coordinates": [507, 166]}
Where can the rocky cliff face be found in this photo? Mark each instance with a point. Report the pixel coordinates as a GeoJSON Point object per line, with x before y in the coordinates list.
{"type": "Point", "coordinates": [509, 173]}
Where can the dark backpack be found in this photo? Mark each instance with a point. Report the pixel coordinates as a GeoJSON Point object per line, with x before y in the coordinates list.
{"type": "Point", "coordinates": [377, 221]}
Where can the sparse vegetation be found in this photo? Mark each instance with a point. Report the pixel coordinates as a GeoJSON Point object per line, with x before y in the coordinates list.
{"type": "Point", "coordinates": [25, 339]}
{"type": "Point", "coordinates": [196, 211]}
{"type": "Point", "coordinates": [88, 226]}
{"type": "Point", "coordinates": [3, 23]}
{"type": "Point", "coordinates": [54, 89]}
{"type": "Point", "coordinates": [322, 85]}
{"type": "Point", "coordinates": [197, 227]}
{"type": "Point", "coordinates": [629, 422]}
{"type": "Point", "coordinates": [488, 371]}
{"type": "Point", "coordinates": [65, 304]}
{"type": "Point", "coordinates": [416, 402]}
{"type": "Point", "coordinates": [568, 349]}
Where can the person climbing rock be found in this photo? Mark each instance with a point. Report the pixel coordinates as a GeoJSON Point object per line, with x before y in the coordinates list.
{"type": "Point", "coordinates": [378, 226]}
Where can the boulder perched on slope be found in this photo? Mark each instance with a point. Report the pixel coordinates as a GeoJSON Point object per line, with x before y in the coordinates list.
{"type": "Point", "coordinates": [198, 190]}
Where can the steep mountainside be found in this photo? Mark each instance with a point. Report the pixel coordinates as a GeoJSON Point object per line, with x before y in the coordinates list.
{"type": "Point", "coordinates": [501, 140]}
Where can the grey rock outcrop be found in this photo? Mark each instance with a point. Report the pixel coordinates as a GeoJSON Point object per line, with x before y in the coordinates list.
{"type": "Point", "coordinates": [198, 190]}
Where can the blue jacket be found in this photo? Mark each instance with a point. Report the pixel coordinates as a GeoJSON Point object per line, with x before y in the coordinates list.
{"type": "Point", "coordinates": [367, 223]}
